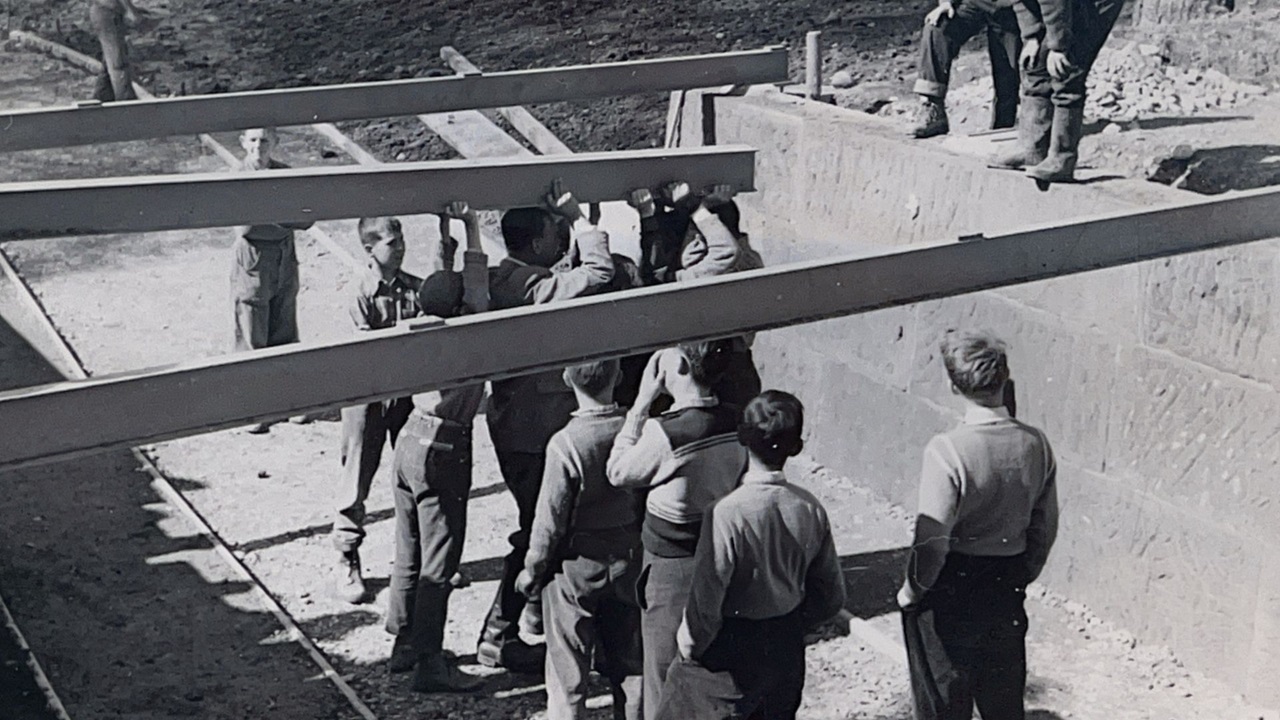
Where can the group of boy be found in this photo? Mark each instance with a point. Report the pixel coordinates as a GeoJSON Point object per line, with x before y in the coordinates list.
{"type": "Point", "coordinates": [1050, 44]}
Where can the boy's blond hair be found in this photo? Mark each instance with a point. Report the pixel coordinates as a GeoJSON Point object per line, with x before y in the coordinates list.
{"type": "Point", "coordinates": [976, 362]}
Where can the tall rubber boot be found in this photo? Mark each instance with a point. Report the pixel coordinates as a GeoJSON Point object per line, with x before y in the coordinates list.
{"type": "Point", "coordinates": [434, 673]}
{"type": "Point", "coordinates": [1064, 147]}
{"type": "Point", "coordinates": [1035, 119]}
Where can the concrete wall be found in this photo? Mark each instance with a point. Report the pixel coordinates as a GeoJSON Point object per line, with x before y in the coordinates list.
{"type": "Point", "coordinates": [1158, 383]}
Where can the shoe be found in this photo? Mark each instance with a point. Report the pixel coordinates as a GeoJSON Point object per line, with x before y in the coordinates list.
{"type": "Point", "coordinates": [302, 419]}
{"type": "Point", "coordinates": [1064, 147]}
{"type": "Point", "coordinates": [436, 675]}
{"type": "Point", "coordinates": [513, 655]}
{"type": "Point", "coordinates": [930, 119]}
{"type": "Point", "coordinates": [403, 656]}
{"type": "Point", "coordinates": [259, 429]}
{"type": "Point", "coordinates": [1035, 119]}
{"type": "Point", "coordinates": [350, 585]}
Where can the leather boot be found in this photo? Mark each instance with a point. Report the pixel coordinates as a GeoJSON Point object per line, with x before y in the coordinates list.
{"type": "Point", "coordinates": [1035, 119]}
{"type": "Point", "coordinates": [1064, 147]}
{"type": "Point", "coordinates": [436, 675]}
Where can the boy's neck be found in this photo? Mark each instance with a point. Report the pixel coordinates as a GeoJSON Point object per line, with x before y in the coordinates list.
{"type": "Point", "coordinates": [589, 402]}
{"type": "Point", "coordinates": [387, 272]}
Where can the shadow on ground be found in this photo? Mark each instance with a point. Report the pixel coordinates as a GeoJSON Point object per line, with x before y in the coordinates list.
{"type": "Point", "coordinates": [1218, 170]}
{"type": "Point", "coordinates": [872, 580]}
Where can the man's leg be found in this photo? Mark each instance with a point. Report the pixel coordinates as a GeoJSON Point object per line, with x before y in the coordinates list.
{"type": "Point", "coordinates": [618, 623]}
{"type": "Point", "coordinates": [500, 644]}
{"type": "Point", "coordinates": [1035, 120]}
{"type": "Point", "coordinates": [1004, 46]}
{"type": "Point", "coordinates": [364, 432]}
{"type": "Point", "coordinates": [939, 45]}
{"type": "Point", "coordinates": [665, 586]}
{"type": "Point", "coordinates": [117, 83]}
{"type": "Point", "coordinates": [570, 601]}
{"type": "Point", "coordinates": [406, 566]}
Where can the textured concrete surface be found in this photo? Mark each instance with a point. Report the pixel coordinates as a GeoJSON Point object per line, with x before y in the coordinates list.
{"type": "Point", "coordinates": [1157, 383]}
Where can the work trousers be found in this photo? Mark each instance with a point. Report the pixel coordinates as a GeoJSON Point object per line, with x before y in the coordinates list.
{"type": "Point", "coordinates": [753, 669]}
{"type": "Point", "coordinates": [663, 590]}
{"type": "Point", "coordinates": [365, 430]}
{"type": "Point", "coordinates": [591, 604]}
{"type": "Point", "coordinates": [966, 641]}
{"type": "Point", "coordinates": [432, 485]}
{"type": "Point", "coordinates": [264, 293]}
{"type": "Point", "coordinates": [522, 472]}
{"type": "Point", "coordinates": [116, 80]}
{"type": "Point", "coordinates": [940, 45]}
{"type": "Point", "coordinates": [1092, 21]}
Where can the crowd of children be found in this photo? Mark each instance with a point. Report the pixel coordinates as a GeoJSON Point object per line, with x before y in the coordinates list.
{"type": "Point", "coordinates": [657, 538]}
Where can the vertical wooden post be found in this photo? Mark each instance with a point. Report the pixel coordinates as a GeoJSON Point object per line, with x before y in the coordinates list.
{"type": "Point", "coordinates": [813, 64]}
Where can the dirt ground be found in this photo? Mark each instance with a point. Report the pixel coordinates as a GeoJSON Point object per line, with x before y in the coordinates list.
{"type": "Point", "coordinates": [180, 635]}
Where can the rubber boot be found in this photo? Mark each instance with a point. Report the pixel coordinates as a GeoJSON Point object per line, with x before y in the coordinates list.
{"type": "Point", "coordinates": [1064, 147]}
{"type": "Point", "coordinates": [1035, 119]}
{"type": "Point", "coordinates": [436, 675]}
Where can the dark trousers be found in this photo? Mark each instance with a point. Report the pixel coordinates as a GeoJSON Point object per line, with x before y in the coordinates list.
{"type": "Point", "coordinates": [741, 381]}
{"type": "Point", "coordinates": [116, 80]}
{"type": "Point", "coordinates": [663, 590]}
{"type": "Point", "coordinates": [940, 45]}
{"type": "Point", "coordinates": [1092, 21]}
{"type": "Point", "coordinates": [753, 669]}
{"type": "Point", "coordinates": [432, 484]}
{"type": "Point", "coordinates": [264, 293]}
{"type": "Point", "coordinates": [592, 601]}
{"type": "Point", "coordinates": [365, 430]}
{"type": "Point", "coordinates": [966, 642]}
{"type": "Point", "coordinates": [522, 472]}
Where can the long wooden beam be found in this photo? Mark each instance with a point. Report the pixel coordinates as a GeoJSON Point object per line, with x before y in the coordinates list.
{"type": "Point", "coordinates": [140, 119]}
{"type": "Point", "coordinates": [169, 202]}
{"type": "Point", "coordinates": [68, 419]}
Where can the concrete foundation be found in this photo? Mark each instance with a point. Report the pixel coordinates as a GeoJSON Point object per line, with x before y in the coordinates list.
{"type": "Point", "coordinates": [1158, 383]}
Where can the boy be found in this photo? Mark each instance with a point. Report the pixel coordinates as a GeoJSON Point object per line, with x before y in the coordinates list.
{"type": "Point", "coordinates": [384, 295]}
{"type": "Point", "coordinates": [988, 518]}
{"type": "Point", "coordinates": [687, 458]}
{"type": "Point", "coordinates": [1074, 32]}
{"type": "Point", "coordinates": [264, 271]}
{"type": "Point", "coordinates": [524, 412]}
{"type": "Point", "coordinates": [583, 555]}
{"type": "Point", "coordinates": [946, 29]}
{"type": "Point", "coordinates": [432, 485]}
{"type": "Point", "coordinates": [766, 570]}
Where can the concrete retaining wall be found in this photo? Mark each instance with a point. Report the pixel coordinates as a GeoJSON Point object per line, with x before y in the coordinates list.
{"type": "Point", "coordinates": [1159, 383]}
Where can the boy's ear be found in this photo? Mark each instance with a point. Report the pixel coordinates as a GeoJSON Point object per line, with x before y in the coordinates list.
{"type": "Point", "coordinates": [798, 449]}
{"type": "Point", "coordinates": [564, 377]}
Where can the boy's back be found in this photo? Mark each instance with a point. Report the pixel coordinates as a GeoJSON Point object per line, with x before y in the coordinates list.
{"type": "Point", "coordinates": [594, 511]}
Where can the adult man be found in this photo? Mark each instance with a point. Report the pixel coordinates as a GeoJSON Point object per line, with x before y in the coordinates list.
{"type": "Point", "coordinates": [988, 518]}
{"type": "Point", "coordinates": [109, 18]}
{"type": "Point", "coordinates": [946, 29]}
{"type": "Point", "coordinates": [1074, 32]}
{"type": "Point", "coordinates": [524, 412]}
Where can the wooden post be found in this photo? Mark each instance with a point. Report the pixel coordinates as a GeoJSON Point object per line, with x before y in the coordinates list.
{"type": "Point", "coordinates": [813, 64]}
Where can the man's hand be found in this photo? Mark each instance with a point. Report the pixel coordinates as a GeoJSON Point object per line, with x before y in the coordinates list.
{"type": "Point", "coordinates": [593, 213]}
{"type": "Point", "coordinates": [1059, 66]}
{"type": "Point", "coordinates": [907, 598]}
{"type": "Point", "coordinates": [563, 203]}
{"type": "Point", "coordinates": [944, 10]}
{"type": "Point", "coordinates": [679, 195]}
{"type": "Point", "coordinates": [1030, 54]}
{"type": "Point", "coordinates": [719, 196]}
{"type": "Point", "coordinates": [525, 584]}
{"type": "Point", "coordinates": [642, 200]}
{"type": "Point", "coordinates": [652, 384]}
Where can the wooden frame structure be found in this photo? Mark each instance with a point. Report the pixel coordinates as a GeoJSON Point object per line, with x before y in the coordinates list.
{"type": "Point", "coordinates": [169, 202]}
{"type": "Point", "coordinates": [140, 119]}
{"type": "Point", "coordinates": [68, 419]}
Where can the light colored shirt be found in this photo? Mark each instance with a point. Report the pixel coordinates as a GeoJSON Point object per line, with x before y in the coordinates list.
{"type": "Point", "coordinates": [766, 549]}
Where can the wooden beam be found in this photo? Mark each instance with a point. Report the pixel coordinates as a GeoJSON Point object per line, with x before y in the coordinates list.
{"type": "Point", "coordinates": [170, 202]}
{"type": "Point", "coordinates": [68, 419]}
{"type": "Point", "coordinates": [521, 119]}
{"type": "Point", "coordinates": [473, 135]}
{"type": "Point", "coordinates": [140, 119]}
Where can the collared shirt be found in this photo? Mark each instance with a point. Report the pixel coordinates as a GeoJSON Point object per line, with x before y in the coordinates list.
{"type": "Point", "coordinates": [380, 303]}
{"type": "Point", "coordinates": [578, 511]}
{"type": "Point", "coordinates": [990, 485]}
{"type": "Point", "coordinates": [689, 457]}
{"type": "Point", "coordinates": [765, 550]}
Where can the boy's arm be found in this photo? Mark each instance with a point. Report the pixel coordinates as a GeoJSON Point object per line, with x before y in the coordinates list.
{"type": "Point", "coordinates": [1028, 14]}
{"type": "Point", "coordinates": [1043, 529]}
{"type": "Point", "coordinates": [714, 563]}
{"type": "Point", "coordinates": [638, 452]}
{"type": "Point", "coordinates": [824, 591]}
{"type": "Point", "coordinates": [939, 504]}
{"type": "Point", "coordinates": [560, 486]}
{"type": "Point", "coordinates": [594, 273]}
{"type": "Point", "coordinates": [1056, 16]}
{"type": "Point", "coordinates": [721, 250]}
{"type": "Point", "coordinates": [361, 308]}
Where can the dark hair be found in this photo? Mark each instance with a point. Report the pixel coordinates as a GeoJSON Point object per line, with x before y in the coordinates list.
{"type": "Point", "coordinates": [521, 226]}
{"type": "Point", "coordinates": [708, 360]}
{"type": "Point", "coordinates": [441, 293]}
{"type": "Point", "coordinates": [593, 378]}
{"type": "Point", "coordinates": [976, 362]}
{"type": "Point", "coordinates": [368, 224]}
{"type": "Point", "coordinates": [772, 426]}
{"type": "Point", "coordinates": [730, 216]}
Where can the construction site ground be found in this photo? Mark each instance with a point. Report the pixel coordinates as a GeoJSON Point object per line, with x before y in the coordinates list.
{"type": "Point", "coordinates": [128, 608]}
